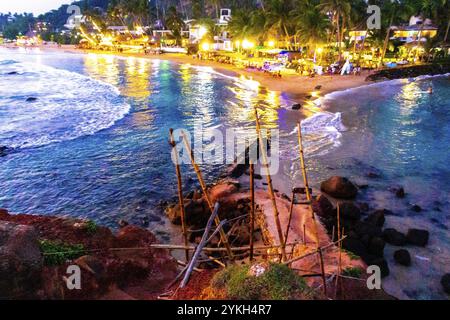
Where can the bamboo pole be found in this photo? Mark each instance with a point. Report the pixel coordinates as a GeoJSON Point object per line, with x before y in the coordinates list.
{"type": "Point", "coordinates": [180, 192]}
{"type": "Point", "coordinates": [322, 269]}
{"type": "Point", "coordinates": [206, 249]}
{"type": "Point", "coordinates": [338, 213]}
{"type": "Point", "coordinates": [223, 236]}
{"type": "Point", "coordinates": [291, 210]}
{"type": "Point", "coordinates": [315, 251]}
{"type": "Point", "coordinates": [309, 198]}
{"type": "Point", "coordinates": [270, 187]}
{"type": "Point", "coordinates": [305, 181]}
{"type": "Point", "coordinates": [201, 245]}
{"type": "Point", "coordinates": [252, 210]}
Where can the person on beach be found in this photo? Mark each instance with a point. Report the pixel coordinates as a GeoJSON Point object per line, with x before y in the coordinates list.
{"type": "Point", "coordinates": [430, 90]}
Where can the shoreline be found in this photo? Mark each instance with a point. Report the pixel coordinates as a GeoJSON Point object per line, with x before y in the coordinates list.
{"type": "Point", "coordinates": [295, 86]}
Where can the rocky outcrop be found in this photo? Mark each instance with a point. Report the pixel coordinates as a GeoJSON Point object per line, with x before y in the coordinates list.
{"type": "Point", "coordinates": [394, 237]}
{"type": "Point", "coordinates": [409, 72]}
{"type": "Point", "coordinates": [339, 187]}
{"type": "Point", "coordinates": [402, 257]}
{"type": "Point", "coordinates": [125, 262]}
{"type": "Point", "coordinates": [21, 261]}
{"type": "Point", "coordinates": [445, 282]}
{"type": "Point", "coordinates": [417, 237]}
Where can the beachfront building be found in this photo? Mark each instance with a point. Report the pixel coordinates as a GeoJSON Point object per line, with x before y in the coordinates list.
{"type": "Point", "coordinates": [418, 30]}
{"type": "Point", "coordinates": [222, 40]}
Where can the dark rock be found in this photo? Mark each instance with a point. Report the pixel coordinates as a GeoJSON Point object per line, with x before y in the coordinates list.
{"type": "Point", "coordinates": [238, 170]}
{"type": "Point", "coordinates": [323, 207]}
{"type": "Point", "coordinates": [339, 187]}
{"type": "Point", "coordinates": [400, 193]}
{"type": "Point", "coordinates": [21, 261]}
{"type": "Point", "coordinates": [364, 228]}
{"type": "Point", "coordinates": [285, 197]}
{"type": "Point", "coordinates": [373, 175]}
{"type": "Point", "coordinates": [4, 151]}
{"type": "Point", "coordinates": [349, 211]}
{"type": "Point", "coordinates": [416, 208]}
{"type": "Point", "coordinates": [241, 235]}
{"type": "Point", "coordinates": [376, 246]}
{"type": "Point", "coordinates": [382, 263]}
{"type": "Point", "coordinates": [318, 87]}
{"type": "Point", "coordinates": [308, 96]}
{"type": "Point", "coordinates": [394, 237]}
{"type": "Point", "coordinates": [355, 246]}
{"type": "Point", "coordinates": [31, 99]}
{"type": "Point", "coordinates": [417, 237]}
{"type": "Point", "coordinates": [91, 264]}
{"type": "Point", "coordinates": [12, 73]}
{"type": "Point", "coordinates": [302, 190]}
{"type": "Point", "coordinates": [257, 176]}
{"type": "Point", "coordinates": [377, 218]}
{"type": "Point", "coordinates": [445, 281]}
{"type": "Point", "coordinates": [364, 206]}
{"type": "Point", "coordinates": [402, 257]}
{"type": "Point", "coordinates": [122, 223]}
{"type": "Point", "coordinates": [296, 106]}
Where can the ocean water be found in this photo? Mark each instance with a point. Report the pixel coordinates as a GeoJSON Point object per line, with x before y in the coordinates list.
{"type": "Point", "coordinates": [95, 143]}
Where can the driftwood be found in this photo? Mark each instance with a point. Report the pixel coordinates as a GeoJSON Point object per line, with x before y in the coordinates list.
{"type": "Point", "coordinates": [270, 187]}
{"type": "Point", "coordinates": [200, 246]}
{"type": "Point", "coordinates": [180, 192]}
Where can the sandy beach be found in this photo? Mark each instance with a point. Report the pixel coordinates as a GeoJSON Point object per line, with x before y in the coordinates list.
{"type": "Point", "coordinates": [295, 85]}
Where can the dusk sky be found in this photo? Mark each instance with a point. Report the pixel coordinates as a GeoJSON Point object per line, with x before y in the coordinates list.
{"type": "Point", "coordinates": [35, 6]}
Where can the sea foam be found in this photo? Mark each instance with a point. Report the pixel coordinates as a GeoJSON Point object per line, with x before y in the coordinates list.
{"type": "Point", "coordinates": [67, 105]}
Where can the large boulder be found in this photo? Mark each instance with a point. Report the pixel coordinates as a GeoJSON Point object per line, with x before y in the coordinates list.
{"type": "Point", "coordinates": [377, 218]}
{"type": "Point", "coordinates": [376, 246]}
{"type": "Point", "coordinates": [21, 261]}
{"type": "Point", "coordinates": [445, 281]}
{"type": "Point", "coordinates": [323, 207]}
{"type": "Point", "coordinates": [417, 237]}
{"type": "Point", "coordinates": [349, 211]}
{"type": "Point", "coordinates": [394, 237]}
{"type": "Point", "coordinates": [339, 187]}
{"type": "Point", "coordinates": [402, 257]}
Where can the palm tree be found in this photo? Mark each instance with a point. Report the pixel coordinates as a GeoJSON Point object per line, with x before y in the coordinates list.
{"type": "Point", "coordinates": [340, 12]}
{"type": "Point", "coordinates": [311, 24]}
{"type": "Point", "coordinates": [279, 19]}
{"type": "Point", "coordinates": [175, 23]}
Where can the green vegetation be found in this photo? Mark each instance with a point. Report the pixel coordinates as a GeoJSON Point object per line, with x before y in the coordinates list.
{"type": "Point", "coordinates": [354, 272]}
{"type": "Point", "coordinates": [91, 227]}
{"type": "Point", "coordinates": [279, 282]}
{"type": "Point", "coordinates": [351, 255]}
{"type": "Point", "coordinates": [57, 253]}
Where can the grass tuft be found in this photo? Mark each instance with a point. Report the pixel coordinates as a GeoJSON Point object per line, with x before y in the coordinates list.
{"type": "Point", "coordinates": [279, 282]}
{"type": "Point", "coordinates": [57, 253]}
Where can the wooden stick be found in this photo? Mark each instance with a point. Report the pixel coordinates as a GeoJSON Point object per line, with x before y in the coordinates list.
{"type": "Point", "coordinates": [291, 210]}
{"type": "Point", "coordinates": [304, 234]}
{"type": "Point", "coordinates": [180, 192]}
{"type": "Point", "coordinates": [201, 245]}
{"type": "Point", "coordinates": [314, 252]}
{"type": "Point", "coordinates": [270, 188]}
{"type": "Point", "coordinates": [223, 236]}
{"type": "Point", "coordinates": [305, 181]}
{"type": "Point", "coordinates": [309, 198]}
{"type": "Point", "coordinates": [322, 269]}
{"type": "Point", "coordinates": [252, 210]}
{"type": "Point", "coordinates": [207, 249]}
{"type": "Point", "coordinates": [338, 213]}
